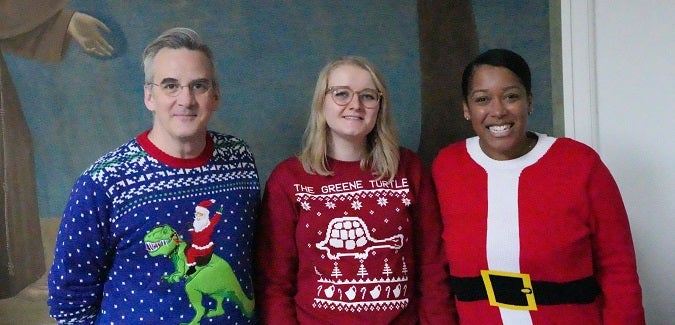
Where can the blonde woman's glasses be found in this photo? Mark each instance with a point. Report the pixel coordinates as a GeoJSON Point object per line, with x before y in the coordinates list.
{"type": "Point", "coordinates": [342, 95]}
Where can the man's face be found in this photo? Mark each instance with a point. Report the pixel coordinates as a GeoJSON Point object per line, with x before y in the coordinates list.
{"type": "Point", "coordinates": [181, 117]}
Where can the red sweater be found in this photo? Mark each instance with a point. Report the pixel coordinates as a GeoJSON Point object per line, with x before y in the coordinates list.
{"type": "Point", "coordinates": [555, 214]}
{"type": "Point", "coordinates": [349, 249]}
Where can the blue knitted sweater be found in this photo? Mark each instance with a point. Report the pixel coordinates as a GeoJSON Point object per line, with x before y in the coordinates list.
{"type": "Point", "coordinates": [121, 249]}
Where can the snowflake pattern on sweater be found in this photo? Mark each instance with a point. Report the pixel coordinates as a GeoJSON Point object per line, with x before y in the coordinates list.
{"type": "Point", "coordinates": [120, 252]}
{"type": "Point", "coordinates": [350, 248]}
{"type": "Point", "coordinates": [346, 239]}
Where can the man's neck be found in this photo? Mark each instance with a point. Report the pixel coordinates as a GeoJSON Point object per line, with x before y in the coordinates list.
{"type": "Point", "coordinates": [183, 148]}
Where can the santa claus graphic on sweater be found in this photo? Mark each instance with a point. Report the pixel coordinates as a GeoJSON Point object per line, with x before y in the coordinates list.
{"type": "Point", "coordinates": [200, 250]}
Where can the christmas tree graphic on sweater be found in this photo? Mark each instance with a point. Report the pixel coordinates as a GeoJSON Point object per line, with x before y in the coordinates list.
{"type": "Point", "coordinates": [348, 237]}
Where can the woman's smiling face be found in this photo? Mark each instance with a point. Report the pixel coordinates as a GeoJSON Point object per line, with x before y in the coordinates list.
{"type": "Point", "coordinates": [354, 121]}
{"type": "Point", "coordinates": [497, 106]}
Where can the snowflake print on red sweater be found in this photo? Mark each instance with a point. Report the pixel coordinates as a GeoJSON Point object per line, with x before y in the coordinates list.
{"type": "Point", "coordinates": [350, 247]}
{"type": "Point", "coordinates": [348, 285]}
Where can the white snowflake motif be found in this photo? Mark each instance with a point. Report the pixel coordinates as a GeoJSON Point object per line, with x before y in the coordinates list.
{"type": "Point", "coordinates": [406, 201]}
{"type": "Point", "coordinates": [330, 205]}
{"type": "Point", "coordinates": [356, 205]}
{"type": "Point", "coordinates": [305, 205]}
{"type": "Point", "coordinates": [382, 201]}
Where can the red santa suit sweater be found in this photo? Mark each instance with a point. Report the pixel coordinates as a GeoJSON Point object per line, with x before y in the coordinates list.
{"type": "Point", "coordinates": [555, 214]}
{"type": "Point", "coordinates": [350, 249]}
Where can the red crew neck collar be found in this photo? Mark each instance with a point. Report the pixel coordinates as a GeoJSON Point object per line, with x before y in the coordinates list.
{"type": "Point", "coordinates": [172, 161]}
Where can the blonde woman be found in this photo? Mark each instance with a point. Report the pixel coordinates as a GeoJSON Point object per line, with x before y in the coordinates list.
{"type": "Point", "coordinates": [350, 229]}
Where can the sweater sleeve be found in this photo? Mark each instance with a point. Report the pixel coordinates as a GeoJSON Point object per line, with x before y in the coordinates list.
{"type": "Point", "coordinates": [276, 253]}
{"type": "Point", "coordinates": [82, 258]}
{"type": "Point", "coordinates": [434, 298]}
{"type": "Point", "coordinates": [613, 251]}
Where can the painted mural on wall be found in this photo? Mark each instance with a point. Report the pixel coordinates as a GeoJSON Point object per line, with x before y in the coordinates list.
{"type": "Point", "coordinates": [84, 95]}
{"type": "Point", "coordinates": [33, 30]}
{"type": "Point", "coordinates": [268, 55]}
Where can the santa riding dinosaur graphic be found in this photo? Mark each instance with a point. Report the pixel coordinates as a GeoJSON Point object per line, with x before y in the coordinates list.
{"type": "Point", "coordinates": [205, 273]}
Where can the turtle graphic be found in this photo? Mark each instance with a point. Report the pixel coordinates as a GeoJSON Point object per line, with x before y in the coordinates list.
{"type": "Point", "coordinates": [349, 236]}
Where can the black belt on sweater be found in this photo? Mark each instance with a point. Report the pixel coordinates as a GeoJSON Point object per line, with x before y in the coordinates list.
{"type": "Point", "coordinates": [517, 291]}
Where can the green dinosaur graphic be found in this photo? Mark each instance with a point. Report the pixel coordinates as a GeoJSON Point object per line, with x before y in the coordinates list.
{"type": "Point", "coordinates": [215, 279]}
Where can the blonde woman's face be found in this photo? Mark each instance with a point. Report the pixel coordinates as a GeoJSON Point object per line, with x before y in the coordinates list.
{"type": "Point", "coordinates": [353, 121]}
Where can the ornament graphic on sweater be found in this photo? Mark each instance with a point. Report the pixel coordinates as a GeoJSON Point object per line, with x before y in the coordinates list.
{"type": "Point", "coordinates": [205, 274]}
{"type": "Point", "coordinates": [367, 272]}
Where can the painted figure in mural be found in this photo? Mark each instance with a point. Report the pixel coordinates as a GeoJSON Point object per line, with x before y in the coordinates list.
{"type": "Point", "coordinates": [350, 230]}
{"type": "Point", "coordinates": [38, 30]}
{"type": "Point", "coordinates": [139, 201]}
{"type": "Point", "coordinates": [535, 227]}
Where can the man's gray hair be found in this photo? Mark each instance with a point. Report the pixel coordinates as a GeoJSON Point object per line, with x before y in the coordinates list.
{"type": "Point", "coordinates": [175, 38]}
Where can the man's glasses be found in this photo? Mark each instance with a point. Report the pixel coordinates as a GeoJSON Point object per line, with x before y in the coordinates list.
{"type": "Point", "coordinates": [173, 88]}
{"type": "Point", "coordinates": [342, 95]}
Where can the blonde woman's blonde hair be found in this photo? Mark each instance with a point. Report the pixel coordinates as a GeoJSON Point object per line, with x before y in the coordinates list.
{"type": "Point", "coordinates": [382, 143]}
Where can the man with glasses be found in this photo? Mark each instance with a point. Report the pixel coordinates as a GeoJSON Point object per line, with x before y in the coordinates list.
{"type": "Point", "coordinates": [121, 251]}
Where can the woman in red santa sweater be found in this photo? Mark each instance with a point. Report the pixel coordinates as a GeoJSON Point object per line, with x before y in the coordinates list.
{"type": "Point", "coordinates": [350, 231]}
{"type": "Point", "coordinates": [535, 228]}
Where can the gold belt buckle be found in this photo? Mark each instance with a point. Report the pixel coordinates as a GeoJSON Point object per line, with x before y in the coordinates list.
{"type": "Point", "coordinates": [527, 289]}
